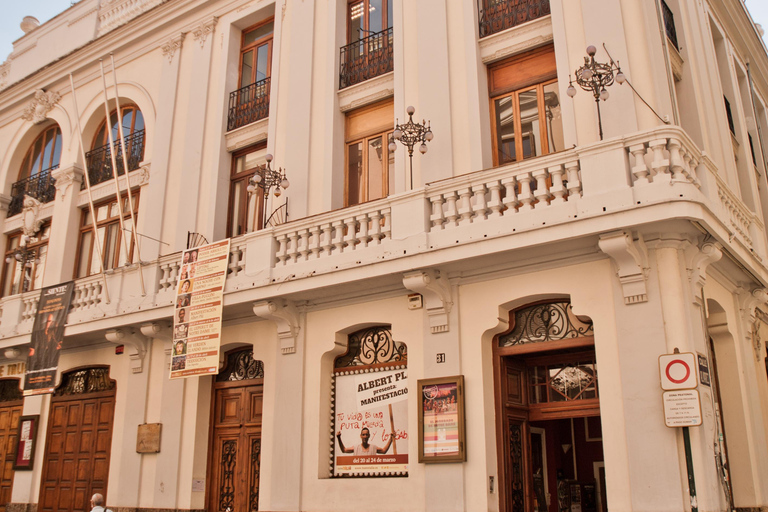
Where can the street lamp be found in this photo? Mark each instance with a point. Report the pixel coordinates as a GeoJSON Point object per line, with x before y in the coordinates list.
{"type": "Point", "coordinates": [265, 178]}
{"type": "Point", "coordinates": [594, 77]}
{"type": "Point", "coordinates": [409, 134]}
{"type": "Point", "coordinates": [27, 258]}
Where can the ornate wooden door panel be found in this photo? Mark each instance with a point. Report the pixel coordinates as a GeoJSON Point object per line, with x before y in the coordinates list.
{"type": "Point", "coordinates": [11, 405]}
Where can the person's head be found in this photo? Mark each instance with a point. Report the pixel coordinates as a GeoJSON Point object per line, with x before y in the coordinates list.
{"type": "Point", "coordinates": [186, 285]}
{"type": "Point", "coordinates": [97, 500]}
{"type": "Point", "coordinates": [365, 436]}
{"type": "Point", "coordinates": [49, 321]}
{"type": "Point", "coordinates": [182, 316]}
{"type": "Point", "coordinates": [179, 347]}
{"type": "Point", "coordinates": [193, 256]}
{"type": "Point", "coordinates": [185, 258]}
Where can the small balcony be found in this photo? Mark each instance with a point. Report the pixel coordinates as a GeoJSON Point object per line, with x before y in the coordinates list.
{"type": "Point", "coordinates": [248, 104]}
{"type": "Point", "coordinates": [366, 58]}
{"type": "Point", "coordinates": [40, 186]}
{"type": "Point", "coordinates": [98, 161]}
{"type": "Point", "coordinates": [498, 15]}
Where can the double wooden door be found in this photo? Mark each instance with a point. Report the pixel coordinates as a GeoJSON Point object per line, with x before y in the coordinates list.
{"type": "Point", "coordinates": [236, 441]}
{"type": "Point", "coordinates": [10, 412]}
{"type": "Point", "coordinates": [77, 451]}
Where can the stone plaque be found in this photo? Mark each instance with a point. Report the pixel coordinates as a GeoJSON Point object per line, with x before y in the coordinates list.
{"type": "Point", "coordinates": [148, 438]}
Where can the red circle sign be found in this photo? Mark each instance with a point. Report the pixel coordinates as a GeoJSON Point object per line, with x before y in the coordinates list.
{"type": "Point", "coordinates": [687, 371]}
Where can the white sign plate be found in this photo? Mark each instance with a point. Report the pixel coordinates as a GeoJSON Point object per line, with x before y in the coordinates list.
{"type": "Point", "coordinates": [682, 408]}
{"type": "Point", "coordinates": [678, 371]}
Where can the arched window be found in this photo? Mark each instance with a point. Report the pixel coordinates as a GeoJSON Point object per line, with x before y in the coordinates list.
{"type": "Point", "coordinates": [35, 172]}
{"type": "Point", "coordinates": [99, 160]}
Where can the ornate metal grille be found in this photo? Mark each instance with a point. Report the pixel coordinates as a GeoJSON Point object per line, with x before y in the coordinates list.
{"type": "Point", "coordinates": [253, 496]}
{"type": "Point", "coordinates": [669, 24]}
{"type": "Point", "coordinates": [240, 365]}
{"type": "Point", "coordinates": [249, 104]}
{"type": "Point", "coordinates": [88, 380]}
{"type": "Point", "coordinates": [40, 186]}
{"type": "Point", "coordinates": [516, 469]}
{"type": "Point", "coordinates": [227, 479]}
{"type": "Point", "coordinates": [99, 161]}
{"type": "Point", "coordinates": [546, 322]}
{"type": "Point", "coordinates": [10, 391]}
{"type": "Point", "coordinates": [498, 15]}
{"type": "Point", "coordinates": [372, 346]}
{"type": "Point", "coordinates": [366, 58]}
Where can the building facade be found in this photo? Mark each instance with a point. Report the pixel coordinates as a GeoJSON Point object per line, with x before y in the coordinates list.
{"type": "Point", "coordinates": [542, 236]}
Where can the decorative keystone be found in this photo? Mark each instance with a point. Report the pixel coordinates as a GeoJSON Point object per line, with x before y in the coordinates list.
{"type": "Point", "coordinates": [41, 104]}
{"type": "Point", "coordinates": [286, 316]}
{"type": "Point", "coordinates": [137, 342]}
{"type": "Point", "coordinates": [437, 296]}
{"type": "Point", "coordinates": [631, 259]}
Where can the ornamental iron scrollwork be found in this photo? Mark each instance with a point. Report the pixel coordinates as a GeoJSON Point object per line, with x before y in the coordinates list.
{"type": "Point", "coordinates": [87, 380]}
{"type": "Point", "coordinates": [253, 497]}
{"type": "Point", "coordinates": [546, 322]}
{"type": "Point", "coordinates": [240, 365]}
{"type": "Point", "coordinates": [227, 479]}
{"type": "Point", "coordinates": [498, 15]}
{"type": "Point", "coordinates": [10, 390]}
{"type": "Point", "coordinates": [516, 467]}
{"type": "Point", "coordinates": [373, 346]}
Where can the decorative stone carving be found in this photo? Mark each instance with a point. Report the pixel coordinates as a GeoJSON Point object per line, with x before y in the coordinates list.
{"type": "Point", "coordinates": [5, 72]}
{"type": "Point", "coordinates": [42, 103]}
{"type": "Point", "coordinates": [286, 316]}
{"type": "Point", "coordinates": [173, 44]}
{"type": "Point", "coordinates": [5, 200]}
{"type": "Point", "coordinates": [202, 31]}
{"type": "Point", "coordinates": [697, 260]}
{"type": "Point", "coordinates": [749, 300]}
{"type": "Point", "coordinates": [30, 218]}
{"type": "Point", "coordinates": [437, 296]}
{"type": "Point", "coordinates": [65, 178]}
{"type": "Point", "coordinates": [143, 175]}
{"type": "Point", "coordinates": [631, 259]}
{"type": "Point", "coordinates": [113, 13]}
{"type": "Point", "coordinates": [137, 342]}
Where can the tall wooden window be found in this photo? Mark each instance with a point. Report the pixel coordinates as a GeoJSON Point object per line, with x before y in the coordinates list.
{"type": "Point", "coordinates": [35, 173]}
{"type": "Point", "coordinates": [99, 158]}
{"type": "Point", "coordinates": [526, 117]}
{"type": "Point", "coordinates": [256, 53]}
{"type": "Point", "coordinates": [109, 237]}
{"type": "Point", "coordinates": [369, 163]}
{"type": "Point", "coordinates": [22, 274]}
{"type": "Point", "coordinates": [246, 210]}
{"type": "Point", "coordinates": [366, 17]}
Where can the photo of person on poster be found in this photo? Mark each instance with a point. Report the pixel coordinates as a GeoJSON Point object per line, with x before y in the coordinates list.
{"type": "Point", "coordinates": [185, 286]}
{"type": "Point", "coordinates": [44, 356]}
{"type": "Point", "coordinates": [181, 331]}
{"type": "Point", "coordinates": [183, 300]}
{"type": "Point", "coordinates": [180, 348]}
{"type": "Point", "coordinates": [365, 448]}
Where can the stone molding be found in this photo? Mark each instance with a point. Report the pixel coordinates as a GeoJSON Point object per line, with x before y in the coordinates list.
{"type": "Point", "coordinates": [137, 178]}
{"type": "Point", "coordinates": [247, 135]}
{"type": "Point", "coordinates": [201, 32]}
{"type": "Point", "coordinates": [631, 259]}
{"type": "Point", "coordinates": [65, 178]}
{"type": "Point", "coordinates": [369, 91]}
{"type": "Point", "coordinates": [113, 13]}
{"type": "Point", "coordinates": [749, 300]}
{"type": "Point", "coordinates": [42, 103]}
{"type": "Point", "coordinates": [286, 316]}
{"type": "Point", "coordinates": [5, 72]}
{"type": "Point", "coordinates": [437, 296]}
{"type": "Point", "coordinates": [516, 40]}
{"type": "Point", "coordinates": [175, 43]}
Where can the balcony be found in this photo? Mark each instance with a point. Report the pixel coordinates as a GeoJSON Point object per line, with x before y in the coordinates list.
{"type": "Point", "coordinates": [498, 15]}
{"type": "Point", "coordinates": [98, 161]}
{"type": "Point", "coordinates": [366, 58]}
{"type": "Point", "coordinates": [40, 186]}
{"type": "Point", "coordinates": [248, 104]}
{"type": "Point", "coordinates": [623, 183]}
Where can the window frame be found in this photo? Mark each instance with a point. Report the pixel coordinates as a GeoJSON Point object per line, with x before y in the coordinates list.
{"type": "Point", "coordinates": [86, 226]}
{"type": "Point", "coordinates": [28, 160]}
{"type": "Point", "coordinates": [386, 23]}
{"type": "Point", "coordinates": [10, 249]}
{"type": "Point", "coordinates": [267, 39]}
{"type": "Point", "coordinates": [127, 133]}
{"type": "Point", "coordinates": [375, 113]}
{"type": "Point", "coordinates": [243, 177]}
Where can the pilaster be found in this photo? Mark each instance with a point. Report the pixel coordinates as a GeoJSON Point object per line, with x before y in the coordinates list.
{"type": "Point", "coordinates": [64, 225]}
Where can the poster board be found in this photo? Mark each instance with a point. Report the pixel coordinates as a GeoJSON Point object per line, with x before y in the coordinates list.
{"type": "Point", "coordinates": [441, 420]}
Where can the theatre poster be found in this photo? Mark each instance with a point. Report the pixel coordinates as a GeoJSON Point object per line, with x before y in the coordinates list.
{"type": "Point", "coordinates": [441, 420]}
{"type": "Point", "coordinates": [198, 310]}
{"type": "Point", "coordinates": [370, 407]}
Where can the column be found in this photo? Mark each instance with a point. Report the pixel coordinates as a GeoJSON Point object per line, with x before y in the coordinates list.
{"type": "Point", "coordinates": [62, 243]}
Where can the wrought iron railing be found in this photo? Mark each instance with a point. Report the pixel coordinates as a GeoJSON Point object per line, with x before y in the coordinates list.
{"type": "Point", "coordinates": [248, 104]}
{"type": "Point", "coordinates": [366, 58]}
{"type": "Point", "coordinates": [498, 15]}
{"type": "Point", "coordinates": [40, 186]}
{"type": "Point", "coordinates": [669, 24]}
{"type": "Point", "coordinates": [99, 161]}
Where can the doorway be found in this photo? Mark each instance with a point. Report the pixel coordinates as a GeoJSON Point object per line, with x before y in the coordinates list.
{"type": "Point", "coordinates": [11, 405]}
{"type": "Point", "coordinates": [233, 467]}
{"type": "Point", "coordinates": [549, 433]}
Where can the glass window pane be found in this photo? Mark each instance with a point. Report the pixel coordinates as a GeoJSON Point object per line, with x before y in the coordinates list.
{"type": "Point", "coordinates": [48, 150]}
{"type": "Point", "coordinates": [389, 13]}
{"type": "Point", "coordinates": [101, 212]}
{"type": "Point", "coordinates": [95, 266]}
{"type": "Point", "coordinates": [42, 254]}
{"type": "Point", "coordinates": [9, 271]}
{"type": "Point", "coordinates": [123, 240]}
{"type": "Point", "coordinates": [356, 21]}
{"type": "Point", "coordinates": [37, 158]}
{"type": "Point", "coordinates": [57, 149]}
{"type": "Point", "coordinates": [390, 168]}
{"type": "Point", "coordinates": [529, 120]}
{"type": "Point", "coordinates": [110, 245]}
{"type": "Point", "coordinates": [17, 277]}
{"type": "Point", "coordinates": [355, 174]}
{"type": "Point", "coordinates": [262, 61]}
{"type": "Point", "coordinates": [113, 124]}
{"type": "Point", "coordinates": [375, 168]}
{"type": "Point", "coordinates": [127, 120]}
{"type": "Point", "coordinates": [113, 210]}
{"type": "Point", "coordinates": [237, 207]}
{"type": "Point", "coordinates": [375, 16]}
{"type": "Point", "coordinates": [505, 129]}
{"type": "Point", "coordinates": [139, 124]}
{"type": "Point", "coordinates": [554, 118]}
{"type": "Point", "coordinates": [247, 69]}
{"type": "Point", "coordinates": [85, 249]}
{"type": "Point", "coordinates": [257, 33]}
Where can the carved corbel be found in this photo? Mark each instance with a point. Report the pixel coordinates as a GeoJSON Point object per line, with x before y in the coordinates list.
{"type": "Point", "coordinates": [169, 47]}
{"type": "Point", "coordinates": [137, 342]}
{"type": "Point", "coordinates": [65, 178]}
{"type": "Point", "coordinates": [631, 259]}
{"type": "Point", "coordinates": [204, 29]}
{"type": "Point", "coordinates": [697, 260]}
{"type": "Point", "coordinates": [286, 316]}
{"type": "Point", "coordinates": [437, 296]}
{"type": "Point", "coordinates": [748, 303]}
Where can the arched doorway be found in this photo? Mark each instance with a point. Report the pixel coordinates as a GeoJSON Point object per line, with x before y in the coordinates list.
{"type": "Point", "coordinates": [11, 404]}
{"type": "Point", "coordinates": [233, 466]}
{"type": "Point", "coordinates": [79, 440]}
{"type": "Point", "coordinates": [549, 440]}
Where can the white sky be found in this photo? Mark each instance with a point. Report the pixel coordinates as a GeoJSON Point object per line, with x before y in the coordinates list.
{"type": "Point", "coordinates": [14, 10]}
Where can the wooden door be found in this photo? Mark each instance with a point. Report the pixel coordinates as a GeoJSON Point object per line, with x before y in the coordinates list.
{"type": "Point", "coordinates": [78, 444]}
{"type": "Point", "coordinates": [11, 404]}
{"type": "Point", "coordinates": [516, 432]}
{"type": "Point", "coordinates": [233, 466]}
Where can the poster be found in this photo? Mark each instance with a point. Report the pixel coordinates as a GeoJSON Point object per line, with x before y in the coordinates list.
{"type": "Point", "coordinates": [441, 429]}
{"type": "Point", "coordinates": [25, 442]}
{"type": "Point", "coordinates": [371, 423]}
{"type": "Point", "coordinates": [198, 310]}
{"type": "Point", "coordinates": [47, 336]}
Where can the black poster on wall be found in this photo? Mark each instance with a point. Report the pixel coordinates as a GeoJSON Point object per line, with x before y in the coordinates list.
{"type": "Point", "coordinates": [47, 335]}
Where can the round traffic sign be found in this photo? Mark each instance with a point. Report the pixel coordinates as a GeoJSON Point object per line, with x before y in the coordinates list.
{"type": "Point", "coordinates": [678, 367]}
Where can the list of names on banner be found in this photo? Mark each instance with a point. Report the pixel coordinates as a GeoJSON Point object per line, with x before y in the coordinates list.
{"type": "Point", "coordinates": [197, 316]}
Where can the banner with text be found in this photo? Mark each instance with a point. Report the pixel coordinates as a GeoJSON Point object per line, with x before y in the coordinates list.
{"type": "Point", "coordinates": [47, 336]}
{"type": "Point", "coordinates": [198, 311]}
{"type": "Point", "coordinates": [371, 423]}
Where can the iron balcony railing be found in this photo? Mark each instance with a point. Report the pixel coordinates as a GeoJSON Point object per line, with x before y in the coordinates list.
{"type": "Point", "coordinates": [366, 58]}
{"type": "Point", "coordinates": [669, 24]}
{"type": "Point", "coordinates": [99, 161]}
{"type": "Point", "coordinates": [40, 186]}
{"type": "Point", "coordinates": [249, 104]}
{"type": "Point", "coordinates": [498, 15]}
